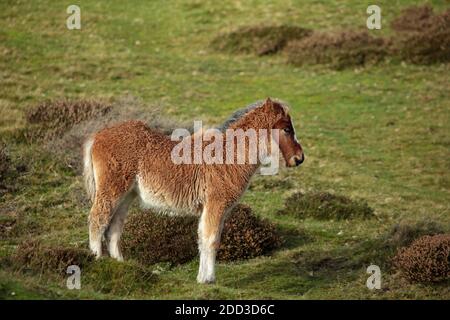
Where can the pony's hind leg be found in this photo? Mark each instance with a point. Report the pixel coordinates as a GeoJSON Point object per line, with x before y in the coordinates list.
{"type": "Point", "coordinates": [115, 228]}
{"type": "Point", "coordinates": [98, 222]}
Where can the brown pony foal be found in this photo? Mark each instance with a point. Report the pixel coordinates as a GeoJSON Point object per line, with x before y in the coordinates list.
{"type": "Point", "coordinates": [130, 160]}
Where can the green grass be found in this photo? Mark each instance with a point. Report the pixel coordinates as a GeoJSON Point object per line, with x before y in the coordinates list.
{"type": "Point", "coordinates": [379, 134]}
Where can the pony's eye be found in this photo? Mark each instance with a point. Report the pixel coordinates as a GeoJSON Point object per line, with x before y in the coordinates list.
{"type": "Point", "coordinates": [287, 130]}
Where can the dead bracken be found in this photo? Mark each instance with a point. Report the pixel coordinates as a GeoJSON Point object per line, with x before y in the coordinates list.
{"type": "Point", "coordinates": [324, 205]}
{"type": "Point", "coordinates": [259, 40]}
{"type": "Point", "coordinates": [426, 259]}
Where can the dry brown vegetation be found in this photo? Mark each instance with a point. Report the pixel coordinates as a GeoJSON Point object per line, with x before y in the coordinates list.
{"type": "Point", "coordinates": [246, 236]}
{"type": "Point", "coordinates": [259, 40]}
{"type": "Point", "coordinates": [403, 234]}
{"type": "Point", "coordinates": [4, 162]}
{"type": "Point", "coordinates": [39, 257]}
{"type": "Point", "coordinates": [414, 18]}
{"type": "Point", "coordinates": [151, 238]}
{"type": "Point", "coordinates": [338, 50]}
{"type": "Point", "coordinates": [63, 126]}
{"type": "Point", "coordinates": [423, 37]}
{"type": "Point", "coordinates": [52, 119]}
{"type": "Point", "coordinates": [426, 259]}
{"type": "Point", "coordinates": [426, 43]}
{"type": "Point", "coordinates": [6, 170]}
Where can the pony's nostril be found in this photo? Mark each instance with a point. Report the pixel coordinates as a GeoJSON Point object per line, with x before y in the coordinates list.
{"type": "Point", "coordinates": [299, 161]}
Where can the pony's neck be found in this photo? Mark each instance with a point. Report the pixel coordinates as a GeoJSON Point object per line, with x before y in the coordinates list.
{"type": "Point", "coordinates": [255, 120]}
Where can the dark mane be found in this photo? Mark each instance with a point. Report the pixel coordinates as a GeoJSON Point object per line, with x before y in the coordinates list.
{"type": "Point", "coordinates": [239, 114]}
{"type": "Point", "coordinates": [242, 112]}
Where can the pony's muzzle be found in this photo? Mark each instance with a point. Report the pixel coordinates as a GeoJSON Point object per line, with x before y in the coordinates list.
{"type": "Point", "coordinates": [297, 160]}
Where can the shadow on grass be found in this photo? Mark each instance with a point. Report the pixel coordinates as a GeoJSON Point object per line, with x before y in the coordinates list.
{"type": "Point", "coordinates": [293, 237]}
{"type": "Point", "coordinates": [304, 269]}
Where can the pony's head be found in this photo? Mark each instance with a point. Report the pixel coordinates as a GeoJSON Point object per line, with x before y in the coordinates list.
{"type": "Point", "coordinates": [287, 141]}
{"type": "Point", "coordinates": [270, 115]}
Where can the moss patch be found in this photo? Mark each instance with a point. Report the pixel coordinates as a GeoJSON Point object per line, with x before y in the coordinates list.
{"type": "Point", "coordinates": [323, 205]}
{"type": "Point", "coordinates": [110, 276]}
{"type": "Point", "coordinates": [261, 183]}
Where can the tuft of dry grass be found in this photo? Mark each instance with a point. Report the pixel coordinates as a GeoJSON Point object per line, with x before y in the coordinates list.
{"type": "Point", "coordinates": [63, 126]}
{"type": "Point", "coordinates": [428, 44]}
{"type": "Point", "coordinates": [7, 170]}
{"type": "Point", "coordinates": [338, 50]}
{"type": "Point", "coordinates": [7, 224]}
{"type": "Point", "coordinates": [426, 260]}
{"type": "Point", "coordinates": [39, 257]}
{"type": "Point", "coordinates": [51, 119]}
{"type": "Point", "coordinates": [5, 162]}
{"type": "Point", "coordinates": [324, 205]}
{"type": "Point", "coordinates": [403, 234]}
{"type": "Point", "coordinates": [415, 18]}
{"type": "Point", "coordinates": [259, 40]}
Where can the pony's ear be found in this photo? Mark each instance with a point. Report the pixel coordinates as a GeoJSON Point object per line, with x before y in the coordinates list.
{"type": "Point", "coordinates": [273, 106]}
{"type": "Point", "coordinates": [268, 103]}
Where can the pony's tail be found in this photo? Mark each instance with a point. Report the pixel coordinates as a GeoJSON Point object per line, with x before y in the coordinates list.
{"type": "Point", "coordinates": [88, 172]}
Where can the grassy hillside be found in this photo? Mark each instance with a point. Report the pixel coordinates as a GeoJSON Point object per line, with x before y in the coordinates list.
{"type": "Point", "coordinates": [379, 133]}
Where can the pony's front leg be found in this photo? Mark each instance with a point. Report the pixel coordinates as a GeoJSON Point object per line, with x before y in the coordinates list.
{"type": "Point", "coordinates": [209, 231]}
